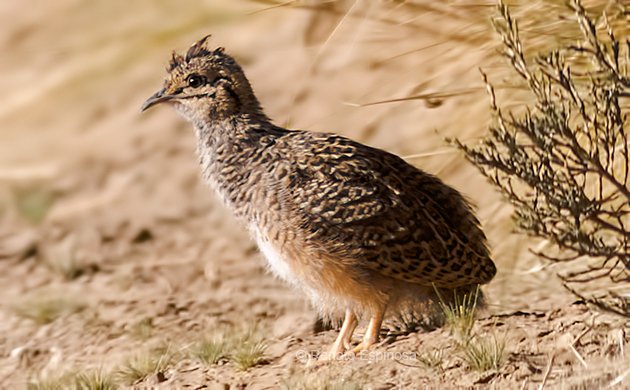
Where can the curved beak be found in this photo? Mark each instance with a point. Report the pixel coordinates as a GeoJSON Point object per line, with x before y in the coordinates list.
{"type": "Point", "coordinates": [156, 98]}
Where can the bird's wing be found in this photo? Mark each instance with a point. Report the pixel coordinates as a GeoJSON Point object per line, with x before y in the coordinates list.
{"type": "Point", "coordinates": [367, 204]}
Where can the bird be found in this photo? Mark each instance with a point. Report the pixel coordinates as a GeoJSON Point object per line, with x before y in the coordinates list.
{"type": "Point", "coordinates": [355, 228]}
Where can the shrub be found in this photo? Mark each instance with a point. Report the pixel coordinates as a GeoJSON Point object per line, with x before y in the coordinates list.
{"type": "Point", "coordinates": [564, 163]}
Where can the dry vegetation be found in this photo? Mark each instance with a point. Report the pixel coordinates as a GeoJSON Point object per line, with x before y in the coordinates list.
{"type": "Point", "coordinates": [80, 380]}
{"type": "Point", "coordinates": [565, 164]}
{"type": "Point", "coordinates": [120, 270]}
{"type": "Point", "coordinates": [153, 362]}
{"type": "Point", "coordinates": [44, 309]}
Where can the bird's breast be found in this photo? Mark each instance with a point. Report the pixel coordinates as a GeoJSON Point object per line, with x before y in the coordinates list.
{"type": "Point", "coordinates": [277, 263]}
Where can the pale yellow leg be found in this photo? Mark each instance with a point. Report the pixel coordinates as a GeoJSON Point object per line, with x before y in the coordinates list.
{"type": "Point", "coordinates": [372, 332]}
{"type": "Point", "coordinates": [342, 343]}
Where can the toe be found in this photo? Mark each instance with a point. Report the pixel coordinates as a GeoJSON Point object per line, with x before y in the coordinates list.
{"type": "Point", "coordinates": [335, 351]}
{"type": "Point", "coordinates": [363, 346]}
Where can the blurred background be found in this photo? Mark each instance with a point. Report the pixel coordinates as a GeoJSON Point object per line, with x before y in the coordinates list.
{"type": "Point", "coordinates": [102, 210]}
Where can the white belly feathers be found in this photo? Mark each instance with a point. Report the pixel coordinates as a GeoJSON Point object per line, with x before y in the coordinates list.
{"type": "Point", "coordinates": [275, 262]}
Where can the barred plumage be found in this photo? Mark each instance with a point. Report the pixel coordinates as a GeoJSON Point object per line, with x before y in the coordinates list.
{"type": "Point", "coordinates": [356, 227]}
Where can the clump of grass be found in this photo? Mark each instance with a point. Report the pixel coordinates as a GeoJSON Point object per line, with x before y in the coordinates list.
{"type": "Point", "coordinates": [143, 329]}
{"type": "Point", "coordinates": [487, 353]}
{"type": "Point", "coordinates": [62, 259]}
{"type": "Point", "coordinates": [432, 360]}
{"type": "Point", "coordinates": [459, 314]}
{"type": "Point", "coordinates": [245, 348]}
{"type": "Point", "coordinates": [48, 382]}
{"type": "Point", "coordinates": [44, 310]}
{"type": "Point", "coordinates": [319, 381]}
{"type": "Point", "coordinates": [34, 203]}
{"type": "Point", "coordinates": [209, 351]}
{"type": "Point", "coordinates": [143, 365]}
{"type": "Point", "coordinates": [248, 350]}
{"type": "Point", "coordinates": [66, 266]}
{"type": "Point", "coordinates": [94, 380]}
{"type": "Point", "coordinates": [74, 380]}
{"type": "Point", "coordinates": [481, 354]}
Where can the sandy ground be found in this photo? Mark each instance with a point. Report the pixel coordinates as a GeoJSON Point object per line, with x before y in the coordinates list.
{"type": "Point", "coordinates": [112, 247]}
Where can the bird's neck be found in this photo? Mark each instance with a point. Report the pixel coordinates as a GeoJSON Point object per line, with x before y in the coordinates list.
{"type": "Point", "coordinates": [226, 149]}
{"type": "Point", "coordinates": [226, 133]}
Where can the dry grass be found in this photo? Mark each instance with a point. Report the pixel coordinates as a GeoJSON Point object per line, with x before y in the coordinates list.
{"type": "Point", "coordinates": [246, 347]}
{"type": "Point", "coordinates": [432, 359]}
{"type": "Point", "coordinates": [33, 203]}
{"type": "Point", "coordinates": [242, 347]}
{"type": "Point", "coordinates": [209, 351]}
{"type": "Point", "coordinates": [142, 329]}
{"type": "Point", "coordinates": [249, 353]}
{"type": "Point", "coordinates": [66, 266]}
{"type": "Point", "coordinates": [143, 365]}
{"type": "Point", "coordinates": [563, 164]}
{"type": "Point", "coordinates": [480, 353]}
{"type": "Point", "coordinates": [484, 353]}
{"type": "Point", "coordinates": [48, 382]}
{"type": "Point", "coordinates": [44, 309]}
{"type": "Point", "coordinates": [95, 380]}
{"type": "Point", "coordinates": [62, 258]}
{"type": "Point", "coordinates": [321, 381]}
{"type": "Point", "coordinates": [75, 380]}
{"type": "Point", "coordinates": [459, 314]}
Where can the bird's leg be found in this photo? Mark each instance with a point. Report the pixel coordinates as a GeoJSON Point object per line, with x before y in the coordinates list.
{"type": "Point", "coordinates": [342, 343]}
{"type": "Point", "coordinates": [372, 332]}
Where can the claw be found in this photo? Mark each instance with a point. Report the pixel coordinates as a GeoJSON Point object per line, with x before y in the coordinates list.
{"type": "Point", "coordinates": [363, 346]}
{"type": "Point", "coordinates": [342, 342]}
{"type": "Point", "coordinates": [371, 334]}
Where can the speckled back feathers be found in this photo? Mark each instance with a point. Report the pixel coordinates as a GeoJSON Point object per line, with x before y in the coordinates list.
{"type": "Point", "coordinates": [319, 196]}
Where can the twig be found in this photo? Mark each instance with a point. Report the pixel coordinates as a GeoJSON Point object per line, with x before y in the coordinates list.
{"type": "Point", "coordinates": [525, 383]}
{"type": "Point", "coordinates": [563, 164]}
{"type": "Point", "coordinates": [619, 379]}
{"type": "Point", "coordinates": [578, 356]}
{"type": "Point", "coordinates": [547, 371]}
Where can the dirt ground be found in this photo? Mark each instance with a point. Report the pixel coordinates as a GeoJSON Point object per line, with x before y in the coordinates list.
{"type": "Point", "coordinates": [111, 247]}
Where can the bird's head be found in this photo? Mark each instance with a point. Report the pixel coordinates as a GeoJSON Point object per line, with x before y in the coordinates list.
{"type": "Point", "coordinates": [206, 85]}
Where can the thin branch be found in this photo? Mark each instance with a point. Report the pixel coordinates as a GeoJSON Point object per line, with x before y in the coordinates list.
{"type": "Point", "coordinates": [564, 164]}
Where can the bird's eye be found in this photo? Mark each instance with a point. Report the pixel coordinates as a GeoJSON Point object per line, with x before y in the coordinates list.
{"type": "Point", "coordinates": [195, 81]}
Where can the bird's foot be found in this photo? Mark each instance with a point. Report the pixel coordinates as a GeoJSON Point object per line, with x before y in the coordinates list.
{"type": "Point", "coordinates": [364, 345]}
{"type": "Point", "coordinates": [334, 353]}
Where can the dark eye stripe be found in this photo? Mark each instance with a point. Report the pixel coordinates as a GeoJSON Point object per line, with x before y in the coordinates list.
{"type": "Point", "coordinates": [199, 95]}
{"type": "Point", "coordinates": [217, 79]}
{"type": "Point", "coordinates": [214, 83]}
